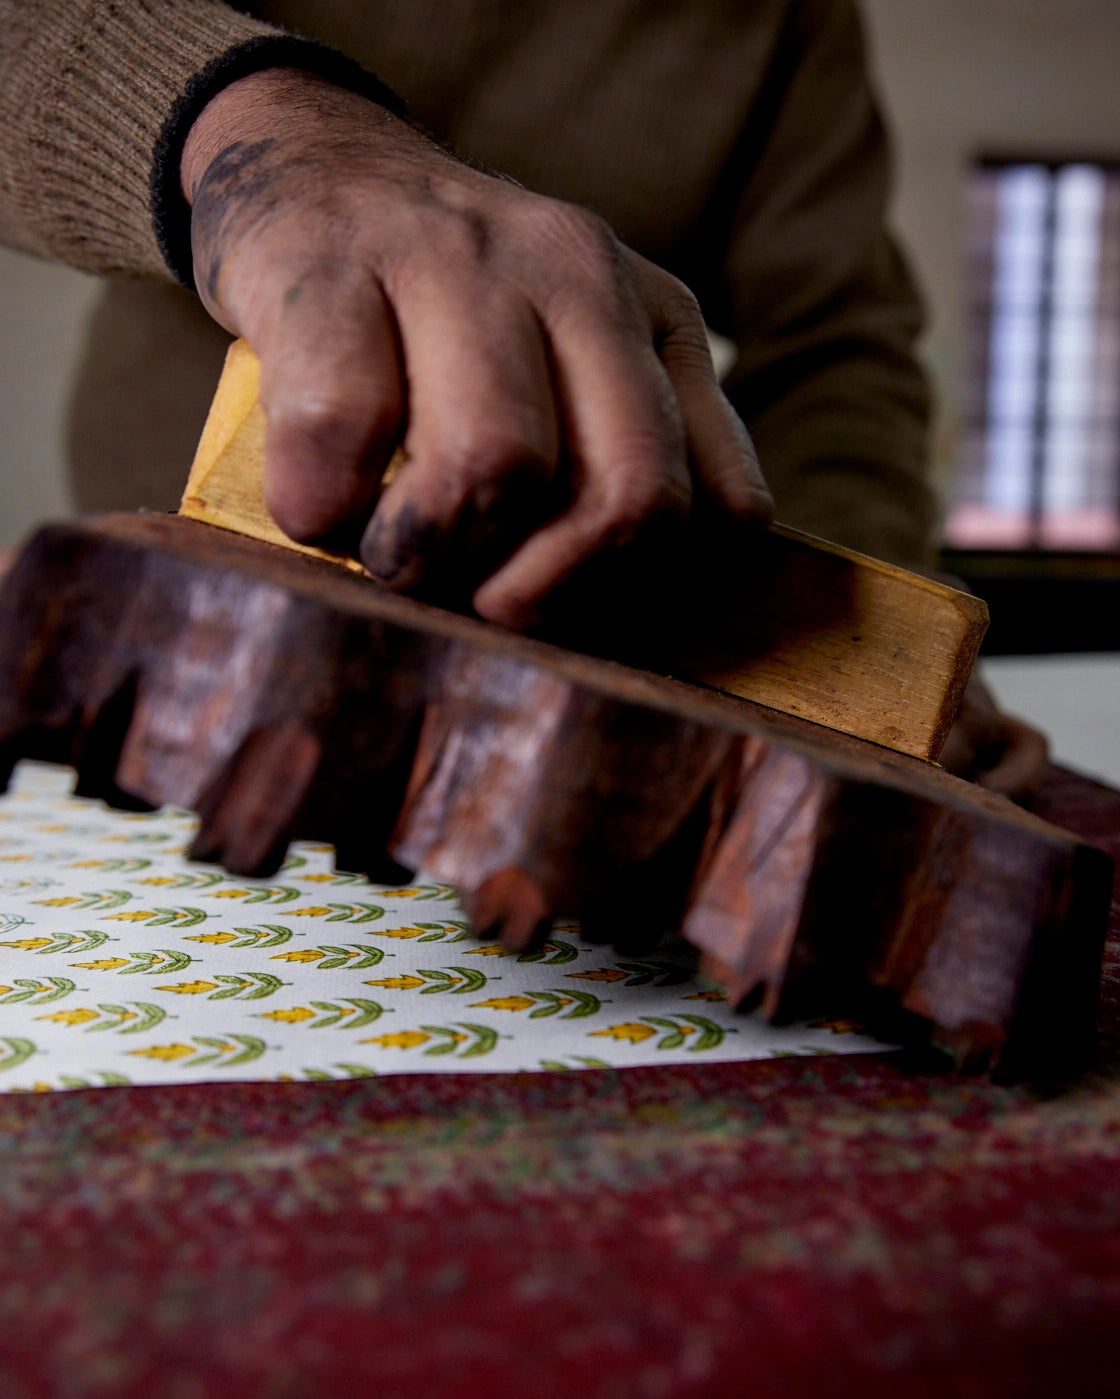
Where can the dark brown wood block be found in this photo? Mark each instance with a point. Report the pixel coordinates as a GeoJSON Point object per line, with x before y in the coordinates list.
{"type": "Point", "coordinates": [172, 662]}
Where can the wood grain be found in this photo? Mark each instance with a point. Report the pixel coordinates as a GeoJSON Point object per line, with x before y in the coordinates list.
{"type": "Point", "coordinates": [279, 696]}
{"type": "Point", "coordinates": [777, 617]}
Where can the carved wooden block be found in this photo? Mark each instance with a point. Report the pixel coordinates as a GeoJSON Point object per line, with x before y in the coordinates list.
{"type": "Point", "coordinates": [777, 617]}
{"type": "Point", "coordinates": [280, 697]}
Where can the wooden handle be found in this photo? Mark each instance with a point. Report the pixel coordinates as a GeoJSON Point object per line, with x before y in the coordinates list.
{"type": "Point", "coordinates": [799, 625]}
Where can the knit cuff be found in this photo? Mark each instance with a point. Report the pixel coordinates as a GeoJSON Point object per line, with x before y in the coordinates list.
{"type": "Point", "coordinates": [170, 211]}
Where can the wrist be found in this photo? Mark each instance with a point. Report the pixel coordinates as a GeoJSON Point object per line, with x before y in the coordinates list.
{"type": "Point", "coordinates": [274, 52]}
{"type": "Point", "coordinates": [250, 109]}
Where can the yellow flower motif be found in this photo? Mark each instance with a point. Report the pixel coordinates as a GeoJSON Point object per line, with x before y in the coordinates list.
{"type": "Point", "coordinates": [138, 915]}
{"type": "Point", "coordinates": [56, 830]}
{"type": "Point", "coordinates": [14, 859]}
{"type": "Point", "coordinates": [630, 1030]}
{"type": "Point", "coordinates": [492, 949]}
{"type": "Point", "coordinates": [399, 983]}
{"type": "Point", "coordinates": [158, 879]}
{"type": "Point", "coordinates": [106, 964]}
{"type": "Point", "coordinates": [5, 989]}
{"type": "Point", "coordinates": [400, 1039]}
{"type": "Point", "coordinates": [713, 995]}
{"type": "Point", "coordinates": [599, 974]}
{"type": "Point", "coordinates": [308, 912]}
{"type": "Point", "coordinates": [85, 865]}
{"type": "Point", "coordinates": [400, 932]}
{"type": "Point", "coordinates": [58, 902]}
{"type": "Point", "coordinates": [71, 1017]}
{"type": "Point", "coordinates": [303, 954]}
{"type": "Point", "coordinates": [29, 944]}
{"type": "Point", "coordinates": [211, 937]}
{"type": "Point", "coordinates": [406, 893]}
{"type": "Point", "coordinates": [164, 1052]}
{"type": "Point", "coordinates": [190, 988]}
{"type": "Point", "coordinates": [507, 1003]}
{"type": "Point", "coordinates": [289, 1017]}
{"type": "Point", "coordinates": [316, 878]}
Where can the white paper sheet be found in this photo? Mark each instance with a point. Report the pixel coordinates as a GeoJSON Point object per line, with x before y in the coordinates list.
{"type": "Point", "coordinates": [120, 962]}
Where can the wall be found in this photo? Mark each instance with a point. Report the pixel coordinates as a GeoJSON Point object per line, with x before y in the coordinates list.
{"type": "Point", "coordinates": [959, 76]}
{"type": "Point", "coordinates": [40, 331]}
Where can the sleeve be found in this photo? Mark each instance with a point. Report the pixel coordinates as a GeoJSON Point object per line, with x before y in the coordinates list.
{"type": "Point", "coordinates": [96, 99]}
{"type": "Point", "coordinates": [820, 304]}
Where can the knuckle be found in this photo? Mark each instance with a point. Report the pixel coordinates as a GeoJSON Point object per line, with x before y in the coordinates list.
{"type": "Point", "coordinates": [476, 464]}
{"type": "Point", "coordinates": [638, 492]}
{"type": "Point", "coordinates": [335, 423]}
{"type": "Point", "coordinates": [577, 237]}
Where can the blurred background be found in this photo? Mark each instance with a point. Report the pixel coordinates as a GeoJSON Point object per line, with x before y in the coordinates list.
{"type": "Point", "coordinates": [1006, 123]}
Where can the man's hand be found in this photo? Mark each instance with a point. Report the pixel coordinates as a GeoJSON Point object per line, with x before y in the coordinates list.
{"type": "Point", "coordinates": [552, 390]}
{"type": "Point", "coordinates": [997, 750]}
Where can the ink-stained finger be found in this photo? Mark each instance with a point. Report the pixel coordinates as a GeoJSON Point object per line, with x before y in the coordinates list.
{"type": "Point", "coordinates": [333, 395]}
{"type": "Point", "coordinates": [625, 453]}
{"type": "Point", "coordinates": [482, 442]}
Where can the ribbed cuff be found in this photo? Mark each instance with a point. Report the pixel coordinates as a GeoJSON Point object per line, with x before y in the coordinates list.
{"type": "Point", "coordinates": [170, 211]}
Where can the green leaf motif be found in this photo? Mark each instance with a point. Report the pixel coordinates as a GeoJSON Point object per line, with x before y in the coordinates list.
{"type": "Point", "coordinates": [263, 935]}
{"type": "Point", "coordinates": [159, 961]}
{"type": "Point", "coordinates": [339, 1016]}
{"type": "Point", "coordinates": [190, 879]}
{"type": "Point", "coordinates": [458, 980]}
{"type": "Point", "coordinates": [248, 986]}
{"type": "Point", "coordinates": [551, 953]}
{"type": "Point", "coordinates": [108, 1080]}
{"type": "Point", "coordinates": [354, 913]}
{"type": "Point", "coordinates": [19, 1051]}
{"type": "Point", "coordinates": [346, 1071]}
{"type": "Point", "coordinates": [145, 1016]}
{"type": "Point", "coordinates": [105, 898]}
{"type": "Point", "coordinates": [273, 894]}
{"type": "Point", "coordinates": [39, 992]}
{"type": "Point", "coordinates": [251, 1048]}
{"type": "Point", "coordinates": [83, 940]}
{"type": "Point", "coordinates": [434, 893]}
{"type": "Point", "coordinates": [480, 1039]}
{"type": "Point", "coordinates": [353, 957]}
{"type": "Point", "coordinates": [569, 1005]}
{"type": "Point", "coordinates": [711, 1034]}
{"type": "Point", "coordinates": [654, 973]}
{"type": "Point", "coordinates": [132, 866]}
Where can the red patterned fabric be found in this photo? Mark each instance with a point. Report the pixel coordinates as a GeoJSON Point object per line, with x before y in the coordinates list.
{"type": "Point", "coordinates": [834, 1227]}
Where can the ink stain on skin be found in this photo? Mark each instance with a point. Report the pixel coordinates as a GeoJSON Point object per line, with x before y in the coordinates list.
{"type": "Point", "coordinates": [240, 187]}
{"type": "Point", "coordinates": [392, 546]}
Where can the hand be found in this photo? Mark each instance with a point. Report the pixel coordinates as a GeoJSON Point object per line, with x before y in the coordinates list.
{"type": "Point", "coordinates": [552, 391]}
{"type": "Point", "coordinates": [1004, 754]}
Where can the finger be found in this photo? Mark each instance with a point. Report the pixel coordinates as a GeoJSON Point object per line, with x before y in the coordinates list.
{"type": "Point", "coordinates": [333, 397]}
{"type": "Point", "coordinates": [722, 457]}
{"type": "Point", "coordinates": [482, 442]}
{"type": "Point", "coordinates": [626, 454]}
{"type": "Point", "coordinates": [1022, 761]}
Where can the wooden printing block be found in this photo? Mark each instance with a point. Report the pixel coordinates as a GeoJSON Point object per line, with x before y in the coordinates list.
{"type": "Point", "coordinates": [281, 697]}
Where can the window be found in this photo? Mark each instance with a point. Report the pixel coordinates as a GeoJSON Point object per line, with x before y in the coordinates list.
{"type": "Point", "coordinates": [1040, 465]}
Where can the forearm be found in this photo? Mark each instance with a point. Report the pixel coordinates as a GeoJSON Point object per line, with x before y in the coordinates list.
{"type": "Point", "coordinates": [86, 87]}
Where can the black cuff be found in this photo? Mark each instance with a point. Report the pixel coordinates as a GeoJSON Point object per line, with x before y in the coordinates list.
{"type": "Point", "coordinates": [171, 215]}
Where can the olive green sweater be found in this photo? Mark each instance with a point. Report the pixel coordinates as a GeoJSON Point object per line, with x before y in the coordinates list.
{"type": "Point", "coordinates": [735, 142]}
